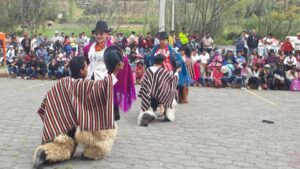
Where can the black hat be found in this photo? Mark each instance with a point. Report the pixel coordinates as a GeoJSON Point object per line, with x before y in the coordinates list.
{"type": "Point", "coordinates": [162, 35]}
{"type": "Point", "coordinates": [112, 56]}
{"type": "Point", "coordinates": [101, 26]}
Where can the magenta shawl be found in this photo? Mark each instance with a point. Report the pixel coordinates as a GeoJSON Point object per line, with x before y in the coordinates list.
{"type": "Point", "coordinates": [124, 89]}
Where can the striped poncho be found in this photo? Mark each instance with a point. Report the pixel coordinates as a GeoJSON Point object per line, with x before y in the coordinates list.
{"type": "Point", "coordinates": [71, 103]}
{"type": "Point", "coordinates": [160, 85]}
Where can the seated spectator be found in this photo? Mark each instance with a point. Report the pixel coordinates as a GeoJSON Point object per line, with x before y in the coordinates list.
{"type": "Point", "coordinates": [252, 57]}
{"type": "Point", "coordinates": [31, 69]}
{"type": "Point", "coordinates": [217, 76]}
{"type": "Point", "coordinates": [259, 61]}
{"type": "Point", "coordinates": [245, 73]}
{"type": "Point", "coordinates": [60, 64]}
{"type": "Point", "coordinates": [279, 77]}
{"type": "Point", "coordinates": [42, 53]}
{"type": "Point", "coordinates": [41, 68]}
{"type": "Point", "coordinates": [291, 75]}
{"type": "Point", "coordinates": [239, 59]}
{"type": "Point", "coordinates": [53, 69]}
{"type": "Point", "coordinates": [236, 77]}
{"type": "Point", "coordinates": [254, 80]}
{"type": "Point", "coordinates": [290, 61]}
{"type": "Point", "coordinates": [13, 68]}
{"type": "Point", "coordinates": [66, 69]}
{"type": "Point", "coordinates": [21, 67]}
{"type": "Point", "coordinates": [272, 59]}
{"type": "Point", "coordinates": [207, 78]}
{"type": "Point", "coordinates": [266, 77]}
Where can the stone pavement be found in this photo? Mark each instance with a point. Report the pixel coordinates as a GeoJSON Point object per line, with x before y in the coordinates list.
{"type": "Point", "coordinates": [218, 129]}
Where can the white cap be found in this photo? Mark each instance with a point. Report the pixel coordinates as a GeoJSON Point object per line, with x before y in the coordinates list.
{"type": "Point", "coordinates": [56, 32]}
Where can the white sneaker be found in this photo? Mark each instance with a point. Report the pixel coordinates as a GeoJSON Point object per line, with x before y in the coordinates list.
{"type": "Point", "coordinates": [19, 77]}
{"type": "Point", "coordinates": [259, 88]}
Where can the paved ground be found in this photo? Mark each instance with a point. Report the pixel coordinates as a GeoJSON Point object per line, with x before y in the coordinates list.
{"type": "Point", "coordinates": [218, 129]}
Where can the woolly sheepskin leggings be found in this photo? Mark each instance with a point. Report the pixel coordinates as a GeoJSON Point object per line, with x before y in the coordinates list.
{"type": "Point", "coordinates": [97, 144]}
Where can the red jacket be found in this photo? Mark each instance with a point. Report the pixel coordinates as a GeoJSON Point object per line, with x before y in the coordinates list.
{"type": "Point", "coordinates": [287, 46]}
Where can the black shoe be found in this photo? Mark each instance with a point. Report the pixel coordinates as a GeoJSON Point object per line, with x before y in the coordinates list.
{"type": "Point", "coordinates": [146, 119]}
{"type": "Point", "coordinates": [39, 160]}
{"type": "Point", "coordinates": [85, 158]}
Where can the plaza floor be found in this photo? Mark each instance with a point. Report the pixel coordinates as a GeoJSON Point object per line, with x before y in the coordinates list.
{"type": "Point", "coordinates": [218, 129]}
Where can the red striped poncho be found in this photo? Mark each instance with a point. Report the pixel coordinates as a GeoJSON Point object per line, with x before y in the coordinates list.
{"type": "Point", "coordinates": [190, 67]}
{"type": "Point", "coordinates": [71, 103]}
{"type": "Point", "coordinates": [160, 85]}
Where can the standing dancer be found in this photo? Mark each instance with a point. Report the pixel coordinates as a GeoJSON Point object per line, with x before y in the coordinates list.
{"type": "Point", "coordinates": [124, 90]}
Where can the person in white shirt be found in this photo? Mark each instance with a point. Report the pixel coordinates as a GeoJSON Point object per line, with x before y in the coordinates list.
{"type": "Point", "coordinates": [297, 45]}
{"type": "Point", "coordinates": [10, 54]}
{"type": "Point", "coordinates": [207, 42]}
{"type": "Point", "coordinates": [132, 38]}
{"type": "Point", "coordinates": [204, 57]}
{"type": "Point", "coordinates": [195, 57]}
{"type": "Point", "coordinates": [34, 43]}
{"type": "Point", "coordinates": [290, 61]}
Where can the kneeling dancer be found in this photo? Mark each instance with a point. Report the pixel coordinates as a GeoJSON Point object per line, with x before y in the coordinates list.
{"type": "Point", "coordinates": [158, 88]}
{"type": "Point", "coordinates": [79, 111]}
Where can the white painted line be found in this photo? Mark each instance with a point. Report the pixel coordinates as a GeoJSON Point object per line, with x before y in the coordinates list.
{"type": "Point", "coordinates": [37, 85]}
{"type": "Point", "coordinates": [260, 97]}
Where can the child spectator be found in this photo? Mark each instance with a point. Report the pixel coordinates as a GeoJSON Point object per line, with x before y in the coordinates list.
{"type": "Point", "coordinates": [207, 78]}
{"type": "Point", "coordinates": [42, 68]}
{"type": "Point", "coordinates": [279, 77]}
{"type": "Point", "coordinates": [139, 71]}
{"type": "Point", "coordinates": [13, 68]}
{"type": "Point", "coordinates": [266, 77]}
{"type": "Point", "coordinates": [254, 80]}
{"type": "Point", "coordinates": [53, 69]}
{"type": "Point", "coordinates": [245, 73]}
{"type": "Point", "coordinates": [218, 75]}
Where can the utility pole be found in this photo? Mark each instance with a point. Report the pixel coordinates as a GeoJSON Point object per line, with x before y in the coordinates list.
{"type": "Point", "coordinates": [173, 13]}
{"type": "Point", "coordinates": [162, 12]}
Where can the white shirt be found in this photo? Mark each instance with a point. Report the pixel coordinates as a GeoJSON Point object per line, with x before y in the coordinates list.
{"type": "Point", "coordinates": [195, 58]}
{"type": "Point", "coordinates": [155, 68]}
{"type": "Point", "coordinates": [204, 58]}
{"type": "Point", "coordinates": [96, 66]}
{"type": "Point", "coordinates": [290, 61]}
{"type": "Point", "coordinates": [297, 44]}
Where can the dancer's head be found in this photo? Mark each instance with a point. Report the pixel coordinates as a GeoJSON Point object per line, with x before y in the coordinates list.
{"type": "Point", "coordinates": [113, 58]}
{"type": "Point", "coordinates": [78, 67]}
{"type": "Point", "coordinates": [159, 59]}
{"type": "Point", "coordinates": [101, 31]}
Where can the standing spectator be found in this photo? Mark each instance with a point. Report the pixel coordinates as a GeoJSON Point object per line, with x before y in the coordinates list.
{"type": "Point", "coordinates": [26, 43]}
{"type": "Point", "coordinates": [80, 41]}
{"type": "Point", "coordinates": [14, 41]}
{"type": "Point", "coordinates": [240, 43]}
{"type": "Point", "coordinates": [132, 38]}
{"type": "Point", "coordinates": [287, 47]}
{"type": "Point", "coordinates": [53, 69]}
{"type": "Point", "coordinates": [73, 42]}
{"type": "Point", "coordinates": [297, 45]}
{"type": "Point", "coordinates": [171, 38]}
{"type": "Point", "coordinates": [41, 67]}
{"type": "Point", "coordinates": [42, 53]}
{"type": "Point", "coordinates": [183, 36]}
{"type": "Point", "coordinates": [150, 40]}
{"type": "Point", "coordinates": [245, 73]}
{"type": "Point", "coordinates": [40, 40]}
{"type": "Point", "coordinates": [252, 41]}
{"type": "Point", "coordinates": [207, 42]}
{"type": "Point", "coordinates": [34, 43]}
